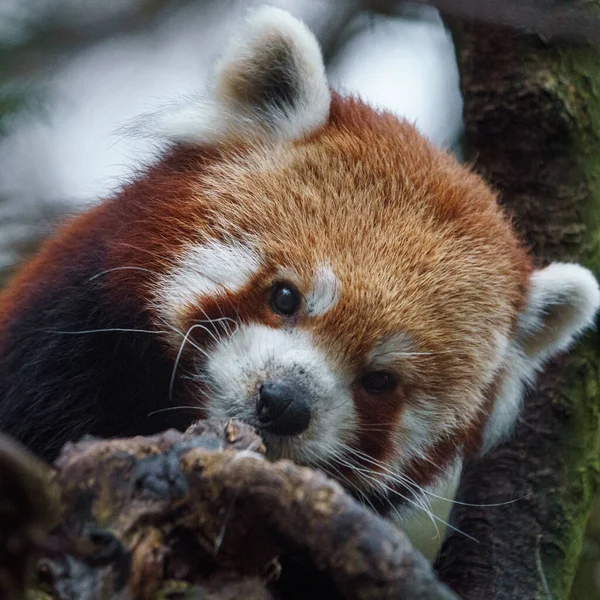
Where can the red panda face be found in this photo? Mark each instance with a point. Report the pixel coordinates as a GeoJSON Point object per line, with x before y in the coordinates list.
{"type": "Point", "coordinates": [340, 284]}
{"type": "Point", "coordinates": [350, 294]}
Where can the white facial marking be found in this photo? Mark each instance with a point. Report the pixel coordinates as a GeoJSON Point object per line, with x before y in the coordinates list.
{"type": "Point", "coordinates": [207, 270]}
{"type": "Point", "coordinates": [324, 293]}
{"type": "Point", "coordinates": [239, 364]}
{"type": "Point", "coordinates": [519, 372]}
{"type": "Point", "coordinates": [415, 432]}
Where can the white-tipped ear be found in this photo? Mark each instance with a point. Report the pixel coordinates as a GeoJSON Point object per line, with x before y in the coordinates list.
{"type": "Point", "coordinates": [562, 301]}
{"type": "Point", "coordinates": [269, 82]}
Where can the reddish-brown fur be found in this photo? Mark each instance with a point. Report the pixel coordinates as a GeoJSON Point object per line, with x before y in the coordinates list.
{"type": "Point", "coordinates": [432, 255]}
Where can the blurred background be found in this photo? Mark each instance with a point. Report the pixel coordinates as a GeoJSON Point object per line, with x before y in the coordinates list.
{"type": "Point", "coordinates": [73, 73]}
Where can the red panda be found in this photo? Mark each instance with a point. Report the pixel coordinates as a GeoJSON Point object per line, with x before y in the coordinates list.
{"type": "Point", "coordinates": [299, 261]}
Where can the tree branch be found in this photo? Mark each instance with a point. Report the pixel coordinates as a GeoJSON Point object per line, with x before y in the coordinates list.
{"type": "Point", "coordinates": [204, 513]}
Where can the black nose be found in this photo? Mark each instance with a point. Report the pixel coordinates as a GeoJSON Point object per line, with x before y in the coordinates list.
{"type": "Point", "coordinates": [281, 408]}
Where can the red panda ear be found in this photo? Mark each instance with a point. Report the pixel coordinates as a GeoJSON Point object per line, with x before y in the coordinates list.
{"type": "Point", "coordinates": [270, 82]}
{"type": "Point", "coordinates": [562, 301]}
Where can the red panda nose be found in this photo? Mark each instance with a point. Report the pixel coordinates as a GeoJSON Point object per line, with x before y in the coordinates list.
{"type": "Point", "coordinates": [281, 408]}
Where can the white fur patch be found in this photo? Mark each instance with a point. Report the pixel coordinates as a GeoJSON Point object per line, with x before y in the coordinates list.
{"type": "Point", "coordinates": [324, 293]}
{"type": "Point", "coordinates": [269, 82]}
{"type": "Point", "coordinates": [415, 432]}
{"type": "Point", "coordinates": [519, 373]}
{"type": "Point", "coordinates": [207, 270]}
{"type": "Point", "coordinates": [563, 300]}
{"type": "Point", "coordinates": [239, 364]}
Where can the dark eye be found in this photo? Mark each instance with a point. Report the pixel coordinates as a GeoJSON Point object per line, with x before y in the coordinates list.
{"type": "Point", "coordinates": [285, 299]}
{"type": "Point", "coordinates": [376, 382]}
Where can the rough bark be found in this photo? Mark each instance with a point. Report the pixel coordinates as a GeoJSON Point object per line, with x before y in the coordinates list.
{"type": "Point", "coordinates": [532, 128]}
{"type": "Point", "coordinates": [204, 515]}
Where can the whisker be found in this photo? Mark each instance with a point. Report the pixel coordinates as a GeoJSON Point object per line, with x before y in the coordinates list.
{"type": "Point", "coordinates": [438, 467]}
{"type": "Point", "coordinates": [186, 337]}
{"type": "Point", "coordinates": [132, 268]}
{"type": "Point", "coordinates": [460, 503]}
{"type": "Point", "coordinates": [169, 408]}
{"type": "Point", "coordinates": [404, 479]}
{"type": "Point", "coordinates": [412, 501]}
{"type": "Point", "coordinates": [350, 483]}
{"type": "Point", "coordinates": [401, 480]}
{"type": "Point", "coordinates": [409, 354]}
{"type": "Point", "coordinates": [362, 429]}
{"type": "Point", "coordinates": [367, 474]}
{"type": "Point", "coordinates": [337, 406]}
{"type": "Point", "coordinates": [105, 330]}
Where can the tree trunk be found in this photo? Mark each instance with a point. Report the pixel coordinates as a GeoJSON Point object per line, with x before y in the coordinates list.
{"type": "Point", "coordinates": [532, 128]}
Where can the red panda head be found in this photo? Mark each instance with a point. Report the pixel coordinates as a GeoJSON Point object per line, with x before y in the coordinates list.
{"type": "Point", "coordinates": [324, 273]}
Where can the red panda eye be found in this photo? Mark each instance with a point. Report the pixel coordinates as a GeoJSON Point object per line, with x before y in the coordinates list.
{"type": "Point", "coordinates": [285, 299]}
{"type": "Point", "coordinates": [377, 382]}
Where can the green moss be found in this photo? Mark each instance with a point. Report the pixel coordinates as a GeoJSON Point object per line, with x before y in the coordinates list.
{"type": "Point", "coordinates": [179, 590]}
{"type": "Point", "coordinates": [37, 595]}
